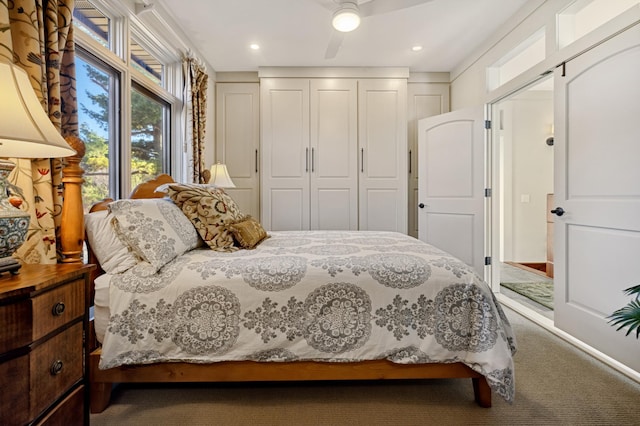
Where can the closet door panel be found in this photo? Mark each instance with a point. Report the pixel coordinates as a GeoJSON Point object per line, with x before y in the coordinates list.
{"type": "Point", "coordinates": [285, 154]}
{"type": "Point", "coordinates": [382, 118]}
{"type": "Point", "coordinates": [333, 142]}
{"type": "Point", "coordinates": [238, 141]}
{"type": "Point", "coordinates": [288, 208]}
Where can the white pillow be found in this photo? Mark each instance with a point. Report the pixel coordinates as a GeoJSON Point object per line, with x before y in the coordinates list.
{"type": "Point", "coordinates": [155, 229]}
{"type": "Point", "coordinates": [114, 256]}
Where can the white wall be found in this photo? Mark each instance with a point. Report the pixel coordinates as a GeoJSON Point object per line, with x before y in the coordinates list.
{"type": "Point", "coordinates": [469, 79]}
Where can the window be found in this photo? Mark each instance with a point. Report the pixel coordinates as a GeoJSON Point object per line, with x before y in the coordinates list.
{"type": "Point", "coordinates": [97, 85]}
{"type": "Point", "coordinates": [150, 116]}
{"type": "Point", "coordinates": [144, 62]}
{"type": "Point", "coordinates": [524, 56]}
{"type": "Point", "coordinates": [584, 16]}
{"type": "Point", "coordinates": [92, 22]}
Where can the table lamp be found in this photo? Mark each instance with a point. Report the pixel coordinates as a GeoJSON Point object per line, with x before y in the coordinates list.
{"type": "Point", "coordinates": [220, 176]}
{"type": "Point", "coordinates": [25, 132]}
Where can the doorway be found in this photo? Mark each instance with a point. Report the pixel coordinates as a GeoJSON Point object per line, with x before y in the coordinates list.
{"type": "Point", "coordinates": [522, 146]}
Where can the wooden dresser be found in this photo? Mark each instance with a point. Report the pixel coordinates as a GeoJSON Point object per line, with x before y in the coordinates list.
{"type": "Point", "coordinates": [43, 317]}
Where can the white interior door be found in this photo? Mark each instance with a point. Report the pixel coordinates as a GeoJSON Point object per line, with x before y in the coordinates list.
{"type": "Point", "coordinates": [424, 100]}
{"type": "Point", "coordinates": [597, 238]}
{"type": "Point", "coordinates": [451, 161]}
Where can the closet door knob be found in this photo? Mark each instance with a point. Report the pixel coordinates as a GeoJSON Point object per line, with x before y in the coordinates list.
{"type": "Point", "coordinates": [558, 211]}
{"type": "Point", "coordinates": [421, 205]}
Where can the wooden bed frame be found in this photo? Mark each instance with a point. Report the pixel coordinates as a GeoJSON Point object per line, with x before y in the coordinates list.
{"type": "Point", "coordinates": [102, 381]}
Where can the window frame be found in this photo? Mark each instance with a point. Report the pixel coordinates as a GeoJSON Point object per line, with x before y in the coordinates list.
{"type": "Point", "coordinates": [124, 26]}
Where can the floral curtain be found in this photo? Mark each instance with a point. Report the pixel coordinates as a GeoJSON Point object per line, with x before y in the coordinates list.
{"type": "Point", "coordinates": [37, 35]}
{"type": "Point", "coordinates": [196, 80]}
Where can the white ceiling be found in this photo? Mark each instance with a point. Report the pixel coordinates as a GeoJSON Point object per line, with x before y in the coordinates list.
{"type": "Point", "coordinates": [297, 32]}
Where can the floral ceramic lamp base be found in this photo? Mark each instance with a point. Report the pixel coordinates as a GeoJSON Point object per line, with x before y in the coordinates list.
{"type": "Point", "coordinates": [14, 224]}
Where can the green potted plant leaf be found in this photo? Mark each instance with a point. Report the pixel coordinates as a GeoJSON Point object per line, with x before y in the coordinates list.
{"type": "Point", "coordinates": [629, 315]}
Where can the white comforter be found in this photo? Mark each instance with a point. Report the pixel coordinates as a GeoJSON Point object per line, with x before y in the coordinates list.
{"type": "Point", "coordinates": [318, 295]}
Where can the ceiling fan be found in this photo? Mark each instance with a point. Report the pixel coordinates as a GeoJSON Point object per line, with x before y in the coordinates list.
{"type": "Point", "coordinates": [348, 13]}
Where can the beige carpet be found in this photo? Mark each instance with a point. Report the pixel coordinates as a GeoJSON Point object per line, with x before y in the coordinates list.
{"type": "Point", "coordinates": [556, 384]}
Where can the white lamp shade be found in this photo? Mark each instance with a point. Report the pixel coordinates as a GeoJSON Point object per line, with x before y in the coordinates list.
{"type": "Point", "coordinates": [25, 129]}
{"type": "Point", "coordinates": [220, 176]}
{"type": "Point", "coordinates": [346, 18]}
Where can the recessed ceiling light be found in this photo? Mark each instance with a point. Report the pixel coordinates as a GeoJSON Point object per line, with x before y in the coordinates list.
{"type": "Point", "coordinates": [416, 48]}
{"type": "Point", "coordinates": [254, 46]}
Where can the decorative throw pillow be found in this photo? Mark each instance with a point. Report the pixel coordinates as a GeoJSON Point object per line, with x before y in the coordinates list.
{"type": "Point", "coordinates": [114, 256]}
{"type": "Point", "coordinates": [155, 229]}
{"type": "Point", "coordinates": [248, 232]}
{"type": "Point", "coordinates": [210, 210]}
{"type": "Point", "coordinates": [165, 186]}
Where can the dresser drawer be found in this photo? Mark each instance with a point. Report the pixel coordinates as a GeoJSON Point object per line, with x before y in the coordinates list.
{"type": "Point", "coordinates": [55, 366]}
{"type": "Point", "coordinates": [57, 307]}
{"type": "Point", "coordinates": [16, 325]}
{"type": "Point", "coordinates": [14, 405]}
{"type": "Point", "coordinates": [70, 412]}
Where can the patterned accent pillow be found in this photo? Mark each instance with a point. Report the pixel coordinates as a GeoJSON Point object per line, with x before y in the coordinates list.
{"type": "Point", "coordinates": [248, 232]}
{"type": "Point", "coordinates": [210, 210]}
{"type": "Point", "coordinates": [155, 229]}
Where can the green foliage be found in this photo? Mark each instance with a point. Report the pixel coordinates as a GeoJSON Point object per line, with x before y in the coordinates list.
{"type": "Point", "coordinates": [629, 315]}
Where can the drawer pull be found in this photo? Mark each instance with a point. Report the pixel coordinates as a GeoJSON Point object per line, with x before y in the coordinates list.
{"type": "Point", "coordinates": [56, 368]}
{"type": "Point", "coordinates": [58, 309]}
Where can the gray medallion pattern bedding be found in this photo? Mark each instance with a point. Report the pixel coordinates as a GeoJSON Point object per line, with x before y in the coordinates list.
{"type": "Point", "coordinates": [333, 296]}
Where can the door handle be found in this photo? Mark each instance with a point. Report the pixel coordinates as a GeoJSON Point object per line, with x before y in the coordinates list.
{"type": "Point", "coordinates": [421, 205]}
{"type": "Point", "coordinates": [558, 211]}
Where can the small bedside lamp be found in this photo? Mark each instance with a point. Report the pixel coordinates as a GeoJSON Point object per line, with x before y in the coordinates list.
{"type": "Point", "coordinates": [220, 176]}
{"type": "Point", "coordinates": [25, 132]}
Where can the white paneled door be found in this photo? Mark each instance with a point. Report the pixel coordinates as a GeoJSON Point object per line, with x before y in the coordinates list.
{"type": "Point", "coordinates": [451, 161]}
{"type": "Point", "coordinates": [597, 193]}
{"type": "Point", "coordinates": [238, 141]}
{"type": "Point", "coordinates": [382, 145]}
{"type": "Point", "coordinates": [285, 154]}
{"type": "Point", "coordinates": [333, 159]}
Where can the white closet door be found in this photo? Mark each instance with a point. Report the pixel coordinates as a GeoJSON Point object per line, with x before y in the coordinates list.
{"type": "Point", "coordinates": [383, 154]}
{"type": "Point", "coordinates": [425, 100]}
{"type": "Point", "coordinates": [285, 154]}
{"type": "Point", "coordinates": [334, 161]}
{"type": "Point", "coordinates": [238, 141]}
{"type": "Point", "coordinates": [597, 184]}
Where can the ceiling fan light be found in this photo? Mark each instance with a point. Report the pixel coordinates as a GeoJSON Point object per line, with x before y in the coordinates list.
{"type": "Point", "coordinates": [346, 18]}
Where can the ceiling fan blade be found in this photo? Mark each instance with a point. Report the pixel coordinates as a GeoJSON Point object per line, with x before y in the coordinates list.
{"type": "Point", "coordinates": [376, 7]}
{"type": "Point", "coordinates": [334, 44]}
{"type": "Point", "coordinates": [326, 4]}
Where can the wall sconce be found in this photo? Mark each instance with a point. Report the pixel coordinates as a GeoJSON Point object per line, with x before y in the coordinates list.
{"type": "Point", "coordinates": [25, 132]}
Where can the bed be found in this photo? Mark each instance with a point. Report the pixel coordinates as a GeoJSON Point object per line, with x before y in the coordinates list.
{"type": "Point", "coordinates": [299, 306]}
